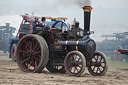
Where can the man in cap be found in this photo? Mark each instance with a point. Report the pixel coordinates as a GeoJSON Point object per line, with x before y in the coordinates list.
{"type": "Point", "coordinates": [35, 24]}
{"type": "Point", "coordinates": [43, 21]}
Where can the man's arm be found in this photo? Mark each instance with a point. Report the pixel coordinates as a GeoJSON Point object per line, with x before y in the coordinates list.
{"type": "Point", "coordinates": [34, 24]}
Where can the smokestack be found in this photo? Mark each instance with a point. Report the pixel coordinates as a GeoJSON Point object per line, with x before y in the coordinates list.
{"type": "Point", "coordinates": [7, 24]}
{"type": "Point", "coordinates": [76, 24]}
{"type": "Point", "coordinates": [87, 16]}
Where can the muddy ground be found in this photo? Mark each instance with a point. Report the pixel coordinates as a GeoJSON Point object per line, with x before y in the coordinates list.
{"type": "Point", "coordinates": [10, 74]}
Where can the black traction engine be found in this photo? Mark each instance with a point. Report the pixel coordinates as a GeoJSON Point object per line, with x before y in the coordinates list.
{"type": "Point", "coordinates": [62, 50]}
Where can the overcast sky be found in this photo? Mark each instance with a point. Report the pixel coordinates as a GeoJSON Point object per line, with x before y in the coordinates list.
{"type": "Point", "coordinates": [108, 16]}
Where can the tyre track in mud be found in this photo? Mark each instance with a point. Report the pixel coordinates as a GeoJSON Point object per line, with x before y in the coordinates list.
{"type": "Point", "coordinates": [10, 74]}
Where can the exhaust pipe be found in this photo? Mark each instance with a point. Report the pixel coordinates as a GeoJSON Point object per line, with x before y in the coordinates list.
{"type": "Point", "coordinates": [87, 16]}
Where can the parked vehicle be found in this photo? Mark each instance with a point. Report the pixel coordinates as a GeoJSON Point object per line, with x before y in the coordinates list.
{"type": "Point", "coordinates": [5, 32]}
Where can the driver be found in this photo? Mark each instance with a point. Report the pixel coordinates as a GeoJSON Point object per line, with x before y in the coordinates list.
{"type": "Point", "coordinates": [44, 28]}
{"type": "Point", "coordinates": [35, 24]}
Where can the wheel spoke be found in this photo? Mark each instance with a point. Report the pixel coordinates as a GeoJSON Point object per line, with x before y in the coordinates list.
{"type": "Point", "coordinates": [94, 68]}
{"type": "Point", "coordinates": [37, 59]}
{"type": "Point", "coordinates": [22, 51]}
{"type": "Point", "coordinates": [70, 68]}
{"type": "Point", "coordinates": [79, 63]}
{"type": "Point", "coordinates": [35, 64]}
{"type": "Point", "coordinates": [39, 56]}
{"type": "Point", "coordinates": [79, 66]}
{"type": "Point", "coordinates": [79, 59]}
{"type": "Point", "coordinates": [25, 42]}
{"type": "Point", "coordinates": [103, 62]}
{"type": "Point", "coordinates": [27, 46]}
{"type": "Point", "coordinates": [97, 70]}
{"type": "Point", "coordinates": [30, 45]}
{"type": "Point", "coordinates": [38, 47]}
{"type": "Point", "coordinates": [94, 57]}
{"type": "Point", "coordinates": [101, 59]}
{"type": "Point", "coordinates": [72, 57]}
{"type": "Point", "coordinates": [25, 60]}
{"type": "Point", "coordinates": [102, 66]}
{"type": "Point", "coordinates": [38, 52]}
{"type": "Point", "coordinates": [97, 58]}
{"type": "Point", "coordinates": [76, 69]}
{"type": "Point", "coordinates": [30, 63]}
{"type": "Point", "coordinates": [75, 57]}
{"type": "Point", "coordinates": [35, 46]}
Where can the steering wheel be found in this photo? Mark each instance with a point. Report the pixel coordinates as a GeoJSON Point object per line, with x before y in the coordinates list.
{"type": "Point", "coordinates": [62, 25]}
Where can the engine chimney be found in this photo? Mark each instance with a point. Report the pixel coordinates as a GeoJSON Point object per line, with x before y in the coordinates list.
{"type": "Point", "coordinates": [87, 16]}
{"type": "Point", "coordinates": [7, 24]}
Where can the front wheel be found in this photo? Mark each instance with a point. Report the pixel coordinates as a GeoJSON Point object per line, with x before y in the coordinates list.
{"type": "Point", "coordinates": [13, 52]}
{"type": "Point", "coordinates": [98, 64]}
{"type": "Point", "coordinates": [75, 63]}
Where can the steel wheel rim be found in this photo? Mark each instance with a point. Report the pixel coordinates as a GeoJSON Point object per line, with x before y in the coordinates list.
{"type": "Point", "coordinates": [74, 64]}
{"type": "Point", "coordinates": [29, 54]}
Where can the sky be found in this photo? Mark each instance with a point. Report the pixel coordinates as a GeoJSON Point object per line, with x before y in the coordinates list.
{"type": "Point", "coordinates": [108, 16]}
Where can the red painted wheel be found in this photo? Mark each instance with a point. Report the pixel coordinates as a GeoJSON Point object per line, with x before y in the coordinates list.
{"type": "Point", "coordinates": [56, 69]}
{"type": "Point", "coordinates": [117, 55]}
{"type": "Point", "coordinates": [32, 53]}
{"type": "Point", "coordinates": [98, 64]}
{"type": "Point", "coordinates": [13, 53]}
{"type": "Point", "coordinates": [75, 63]}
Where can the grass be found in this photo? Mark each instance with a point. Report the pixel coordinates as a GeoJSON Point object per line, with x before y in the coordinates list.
{"type": "Point", "coordinates": [117, 63]}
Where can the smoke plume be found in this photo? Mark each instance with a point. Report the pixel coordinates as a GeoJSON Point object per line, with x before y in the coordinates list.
{"type": "Point", "coordinates": [84, 3]}
{"type": "Point", "coordinates": [79, 3]}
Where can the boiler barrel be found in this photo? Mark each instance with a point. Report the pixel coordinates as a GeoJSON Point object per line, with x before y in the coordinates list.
{"type": "Point", "coordinates": [88, 46]}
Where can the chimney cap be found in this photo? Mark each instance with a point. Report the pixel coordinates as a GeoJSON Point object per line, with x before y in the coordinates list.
{"type": "Point", "coordinates": [87, 8]}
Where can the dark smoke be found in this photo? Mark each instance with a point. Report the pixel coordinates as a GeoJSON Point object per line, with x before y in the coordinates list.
{"type": "Point", "coordinates": [79, 3]}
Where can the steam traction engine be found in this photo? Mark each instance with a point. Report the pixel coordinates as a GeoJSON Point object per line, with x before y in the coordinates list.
{"type": "Point", "coordinates": [114, 46]}
{"type": "Point", "coordinates": [62, 50]}
{"type": "Point", "coordinates": [123, 49]}
{"type": "Point", "coordinates": [5, 32]}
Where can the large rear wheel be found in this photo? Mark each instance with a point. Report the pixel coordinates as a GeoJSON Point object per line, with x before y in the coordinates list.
{"type": "Point", "coordinates": [75, 63]}
{"type": "Point", "coordinates": [32, 53]}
